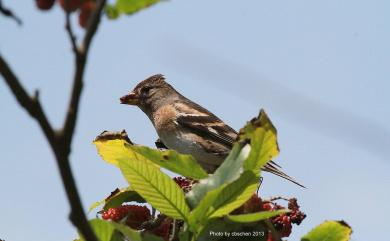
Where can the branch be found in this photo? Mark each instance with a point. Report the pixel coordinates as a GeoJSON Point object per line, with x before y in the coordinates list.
{"type": "Point", "coordinates": [81, 59]}
{"type": "Point", "coordinates": [8, 13]}
{"type": "Point", "coordinates": [70, 32]}
{"type": "Point", "coordinates": [60, 141]}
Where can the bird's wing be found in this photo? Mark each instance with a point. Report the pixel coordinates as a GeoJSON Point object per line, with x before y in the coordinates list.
{"type": "Point", "coordinates": [205, 124]}
{"type": "Point", "coordinates": [206, 127]}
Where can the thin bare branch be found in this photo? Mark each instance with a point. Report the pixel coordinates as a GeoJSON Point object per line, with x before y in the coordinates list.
{"type": "Point", "coordinates": [81, 59]}
{"type": "Point", "coordinates": [60, 141]}
{"type": "Point", "coordinates": [69, 30]}
{"type": "Point", "coordinates": [8, 13]}
{"type": "Point", "coordinates": [92, 26]}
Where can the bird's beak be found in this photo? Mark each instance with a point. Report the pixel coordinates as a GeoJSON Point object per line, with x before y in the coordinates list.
{"type": "Point", "coordinates": [130, 99]}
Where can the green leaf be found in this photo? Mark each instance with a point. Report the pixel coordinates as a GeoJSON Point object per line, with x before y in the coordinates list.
{"type": "Point", "coordinates": [184, 165]}
{"type": "Point", "coordinates": [103, 229]}
{"type": "Point", "coordinates": [95, 205]}
{"type": "Point", "coordinates": [124, 195]}
{"type": "Point", "coordinates": [128, 232]}
{"type": "Point", "coordinates": [255, 217]}
{"type": "Point", "coordinates": [228, 172]}
{"type": "Point", "coordinates": [263, 138]}
{"type": "Point", "coordinates": [155, 187]}
{"type": "Point", "coordinates": [117, 198]}
{"type": "Point", "coordinates": [116, 146]}
{"type": "Point", "coordinates": [329, 231]}
{"type": "Point", "coordinates": [223, 200]}
{"type": "Point", "coordinates": [133, 6]}
{"type": "Point", "coordinates": [111, 146]}
{"type": "Point", "coordinates": [111, 11]}
{"type": "Point", "coordinates": [235, 194]}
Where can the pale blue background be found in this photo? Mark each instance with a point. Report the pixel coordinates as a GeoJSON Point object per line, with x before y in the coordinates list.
{"type": "Point", "coordinates": [319, 68]}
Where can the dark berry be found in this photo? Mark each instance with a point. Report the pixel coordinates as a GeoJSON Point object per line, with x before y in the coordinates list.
{"type": "Point", "coordinates": [44, 4]}
{"type": "Point", "coordinates": [71, 5]}
{"type": "Point", "coordinates": [86, 10]}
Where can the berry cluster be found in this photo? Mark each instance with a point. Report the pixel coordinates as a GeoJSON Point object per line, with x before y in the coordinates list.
{"type": "Point", "coordinates": [185, 183]}
{"type": "Point", "coordinates": [164, 229]}
{"type": "Point", "coordinates": [283, 223]}
{"type": "Point", "coordinates": [85, 7]}
{"type": "Point", "coordinates": [254, 204]}
{"type": "Point", "coordinates": [133, 215]}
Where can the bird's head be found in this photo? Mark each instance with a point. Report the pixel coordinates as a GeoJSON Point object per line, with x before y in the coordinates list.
{"type": "Point", "coordinates": [150, 93]}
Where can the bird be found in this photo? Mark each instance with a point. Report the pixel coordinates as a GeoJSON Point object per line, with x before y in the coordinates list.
{"type": "Point", "coordinates": [187, 127]}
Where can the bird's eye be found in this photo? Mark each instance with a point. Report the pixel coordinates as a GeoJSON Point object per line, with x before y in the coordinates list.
{"type": "Point", "coordinates": [146, 90]}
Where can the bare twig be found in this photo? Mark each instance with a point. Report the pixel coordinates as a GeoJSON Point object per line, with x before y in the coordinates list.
{"type": "Point", "coordinates": [80, 59]}
{"type": "Point", "coordinates": [8, 13]}
{"type": "Point", "coordinates": [69, 30]}
{"type": "Point", "coordinates": [60, 141]}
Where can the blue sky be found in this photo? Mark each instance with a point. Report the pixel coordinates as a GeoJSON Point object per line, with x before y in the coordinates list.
{"type": "Point", "coordinates": [319, 68]}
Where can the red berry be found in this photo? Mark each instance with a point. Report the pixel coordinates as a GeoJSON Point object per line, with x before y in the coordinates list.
{"type": "Point", "coordinates": [71, 5]}
{"type": "Point", "coordinates": [185, 183]}
{"type": "Point", "coordinates": [254, 204]}
{"type": "Point", "coordinates": [86, 10]}
{"type": "Point", "coordinates": [44, 4]}
{"type": "Point", "coordinates": [164, 229]}
{"type": "Point", "coordinates": [137, 215]}
{"type": "Point", "coordinates": [270, 237]}
{"type": "Point", "coordinates": [267, 206]}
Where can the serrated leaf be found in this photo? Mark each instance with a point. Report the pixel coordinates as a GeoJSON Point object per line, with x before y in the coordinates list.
{"type": "Point", "coordinates": [184, 165]}
{"type": "Point", "coordinates": [229, 171]}
{"type": "Point", "coordinates": [133, 6]}
{"type": "Point", "coordinates": [95, 205]}
{"type": "Point", "coordinates": [235, 194]}
{"type": "Point", "coordinates": [224, 199]}
{"type": "Point", "coordinates": [263, 138]}
{"type": "Point", "coordinates": [329, 231]}
{"type": "Point", "coordinates": [103, 230]}
{"type": "Point", "coordinates": [128, 232]}
{"type": "Point", "coordinates": [255, 217]}
{"type": "Point", "coordinates": [117, 198]}
{"type": "Point", "coordinates": [115, 146]}
{"type": "Point", "coordinates": [125, 195]}
{"type": "Point", "coordinates": [155, 187]}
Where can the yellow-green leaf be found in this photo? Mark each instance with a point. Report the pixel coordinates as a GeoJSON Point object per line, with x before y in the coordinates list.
{"type": "Point", "coordinates": [133, 6]}
{"type": "Point", "coordinates": [263, 138]}
{"type": "Point", "coordinates": [329, 231]}
{"type": "Point", "coordinates": [111, 146]}
{"type": "Point", "coordinates": [184, 165]}
{"type": "Point", "coordinates": [228, 172]}
{"type": "Point", "coordinates": [155, 187]}
{"type": "Point", "coordinates": [115, 146]}
{"type": "Point", "coordinates": [255, 217]}
{"type": "Point", "coordinates": [224, 199]}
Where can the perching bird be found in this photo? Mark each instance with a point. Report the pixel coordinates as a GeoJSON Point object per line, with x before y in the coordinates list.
{"type": "Point", "coordinates": [185, 126]}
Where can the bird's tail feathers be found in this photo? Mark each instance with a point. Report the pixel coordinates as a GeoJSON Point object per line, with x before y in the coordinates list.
{"type": "Point", "coordinates": [272, 167]}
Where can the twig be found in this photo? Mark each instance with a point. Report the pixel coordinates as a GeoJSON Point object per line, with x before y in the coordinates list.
{"type": "Point", "coordinates": [272, 199]}
{"type": "Point", "coordinates": [80, 59]}
{"type": "Point", "coordinates": [8, 13]}
{"type": "Point", "coordinates": [69, 30]}
{"type": "Point", "coordinates": [174, 231]}
{"type": "Point", "coordinates": [60, 141]}
{"type": "Point", "coordinates": [275, 233]}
